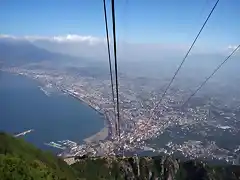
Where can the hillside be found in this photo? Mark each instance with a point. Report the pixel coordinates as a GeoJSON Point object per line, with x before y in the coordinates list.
{"type": "Point", "coordinates": [20, 160]}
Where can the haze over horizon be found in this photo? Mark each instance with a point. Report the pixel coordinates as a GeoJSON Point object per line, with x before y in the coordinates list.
{"type": "Point", "coordinates": [156, 34]}
{"type": "Point", "coordinates": [144, 28]}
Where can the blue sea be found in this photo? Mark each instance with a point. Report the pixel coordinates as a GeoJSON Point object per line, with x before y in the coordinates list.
{"type": "Point", "coordinates": [56, 117]}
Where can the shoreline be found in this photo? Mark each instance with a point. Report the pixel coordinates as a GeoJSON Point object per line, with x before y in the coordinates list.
{"type": "Point", "coordinates": [105, 132]}
{"type": "Point", "coordinates": [99, 136]}
{"type": "Point", "coordinates": [80, 99]}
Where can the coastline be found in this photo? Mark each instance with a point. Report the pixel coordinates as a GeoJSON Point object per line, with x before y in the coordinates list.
{"type": "Point", "coordinates": [80, 99]}
{"type": "Point", "coordinates": [105, 132]}
{"type": "Point", "coordinates": [99, 136]}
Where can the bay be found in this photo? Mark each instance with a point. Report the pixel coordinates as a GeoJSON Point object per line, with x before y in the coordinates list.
{"type": "Point", "coordinates": [24, 106]}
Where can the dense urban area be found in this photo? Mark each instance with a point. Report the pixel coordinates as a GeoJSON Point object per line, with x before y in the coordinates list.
{"type": "Point", "coordinates": [189, 131]}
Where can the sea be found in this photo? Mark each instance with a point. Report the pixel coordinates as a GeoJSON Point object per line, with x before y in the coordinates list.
{"type": "Point", "coordinates": [24, 106]}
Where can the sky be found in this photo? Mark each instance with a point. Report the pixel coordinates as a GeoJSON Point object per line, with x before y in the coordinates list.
{"type": "Point", "coordinates": [137, 21]}
{"type": "Point", "coordinates": [148, 31]}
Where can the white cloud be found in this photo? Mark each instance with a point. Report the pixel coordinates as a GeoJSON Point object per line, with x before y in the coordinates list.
{"type": "Point", "coordinates": [77, 38]}
{"type": "Point", "coordinates": [95, 47]}
{"type": "Point", "coordinates": [7, 36]}
{"type": "Point", "coordinates": [232, 47]}
{"type": "Point", "coordinates": [61, 39]}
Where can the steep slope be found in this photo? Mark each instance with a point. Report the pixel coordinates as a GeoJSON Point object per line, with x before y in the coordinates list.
{"type": "Point", "coordinates": [159, 167]}
{"type": "Point", "coordinates": [20, 160]}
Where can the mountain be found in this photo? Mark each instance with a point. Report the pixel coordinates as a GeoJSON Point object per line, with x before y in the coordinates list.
{"type": "Point", "coordinates": [19, 52]}
{"type": "Point", "coordinates": [151, 168]}
{"type": "Point", "coordinates": [22, 161]}
{"type": "Point", "coordinates": [85, 48]}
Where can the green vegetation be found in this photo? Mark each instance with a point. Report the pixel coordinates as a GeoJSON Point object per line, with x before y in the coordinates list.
{"type": "Point", "coordinates": [22, 161]}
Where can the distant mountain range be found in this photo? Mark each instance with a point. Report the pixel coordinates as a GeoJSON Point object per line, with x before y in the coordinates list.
{"type": "Point", "coordinates": [16, 52]}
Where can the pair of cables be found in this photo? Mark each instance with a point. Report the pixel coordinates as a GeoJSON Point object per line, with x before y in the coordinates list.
{"type": "Point", "coordinates": [117, 119]}
{"type": "Point", "coordinates": [115, 107]}
{"type": "Point", "coordinates": [184, 59]}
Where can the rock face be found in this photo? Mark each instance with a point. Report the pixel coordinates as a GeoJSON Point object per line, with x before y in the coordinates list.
{"type": "Point", "coordinates": [152, 168]}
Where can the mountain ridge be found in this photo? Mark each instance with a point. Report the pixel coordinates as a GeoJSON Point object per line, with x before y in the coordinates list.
{"type": "Point", "coordinates": [21, 52]}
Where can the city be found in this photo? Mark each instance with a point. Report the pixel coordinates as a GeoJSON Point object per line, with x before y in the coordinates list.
{"type": "Point", "coordinates": [140, 121]}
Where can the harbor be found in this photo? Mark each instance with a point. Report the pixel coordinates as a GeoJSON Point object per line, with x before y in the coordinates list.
{"type": "Point", "coordinates": [64, 144]}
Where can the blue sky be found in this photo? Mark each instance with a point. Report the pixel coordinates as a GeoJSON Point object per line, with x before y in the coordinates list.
{"type": "Point", "coordinates": [147, 21]}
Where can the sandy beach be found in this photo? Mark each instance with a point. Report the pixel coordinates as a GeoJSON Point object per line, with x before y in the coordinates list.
{"type": "Point", "coordinates": [98, 136]}
{"type": "Point", "coordinates": [101, 135]}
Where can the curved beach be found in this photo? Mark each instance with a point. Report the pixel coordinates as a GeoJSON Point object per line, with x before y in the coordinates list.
{"type": "Point", "coordinates": [104, 133]}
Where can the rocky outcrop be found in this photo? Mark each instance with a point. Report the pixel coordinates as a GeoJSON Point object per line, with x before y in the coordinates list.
{"type": "Point", "coordinates": [159, 167]}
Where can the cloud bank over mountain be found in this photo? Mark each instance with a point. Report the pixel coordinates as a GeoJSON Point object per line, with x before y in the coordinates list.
{"type": "Point", "coordinates": [95, 47]}
{"type": "Point", "coordinates": [134, 58]}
